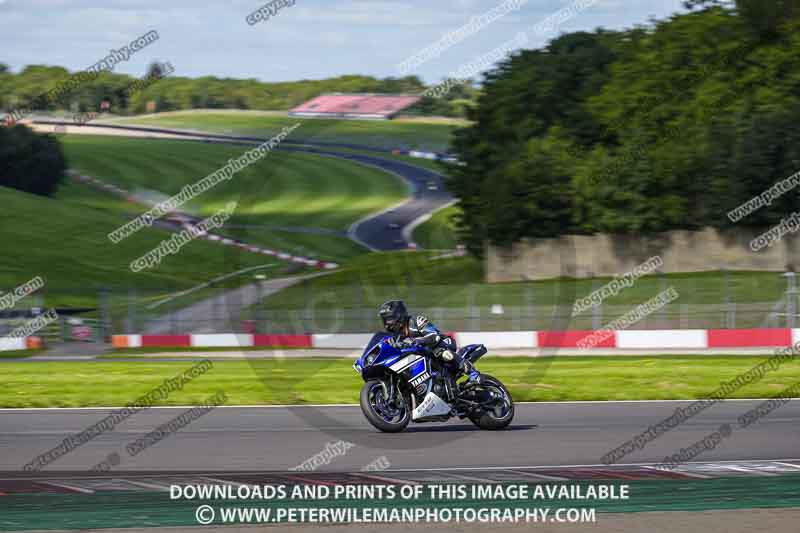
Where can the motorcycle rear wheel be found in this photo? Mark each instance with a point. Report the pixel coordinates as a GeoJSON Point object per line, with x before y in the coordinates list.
{"type": "Point", "coordinates": [492, 419]}
{"type": "Point", "coordinates": [384, 417]}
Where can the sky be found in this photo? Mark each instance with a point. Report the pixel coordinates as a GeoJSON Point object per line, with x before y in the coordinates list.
{"type": "Point", "coordinates": [311, 39]}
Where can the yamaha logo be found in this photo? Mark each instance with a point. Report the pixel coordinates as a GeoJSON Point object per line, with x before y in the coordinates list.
{"type": "Point", "coordinates": [419, 379]}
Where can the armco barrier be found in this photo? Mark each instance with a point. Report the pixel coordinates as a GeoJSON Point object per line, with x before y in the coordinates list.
{"type": "Point", "coordinates": [624, 339]}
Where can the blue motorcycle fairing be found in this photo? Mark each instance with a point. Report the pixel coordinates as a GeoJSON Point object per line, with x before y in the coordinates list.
{"type": "Point", "coordinates": [381, 354]}
{"type": "Point", "coordinates": [472, 352]}
{"type": "Point", "coordinates": [419, 368]}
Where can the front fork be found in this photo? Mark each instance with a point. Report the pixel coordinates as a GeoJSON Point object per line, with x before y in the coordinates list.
{"type": "Point", "coordinates": [390, 392]}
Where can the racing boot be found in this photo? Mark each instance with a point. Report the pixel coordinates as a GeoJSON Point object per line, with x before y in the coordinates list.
{"type": "Point", "coordinates": [468, 369]}
{"type": "Point", "coordinates": [462, 366]}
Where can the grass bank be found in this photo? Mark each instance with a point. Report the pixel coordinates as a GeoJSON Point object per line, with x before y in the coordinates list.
{"type": "Point", "coordinates": [325, 381]}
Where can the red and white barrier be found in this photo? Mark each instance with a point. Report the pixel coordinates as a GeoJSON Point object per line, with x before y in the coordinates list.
{"type": "Point", "coordinates": [664, 338]}
{"type": "Point", "coordinates": [340, 340]}
{"type": "Point", "coordinates": [8, 344]}
{"type": "Point", "coordinates": [221, 341]}
{"type": "Point", "coordinates": [495, 340]}
{"type": "Point", "coordinates": [570, 339]}
{"type": "Point", "coordinates": [12, 344]}
{"type": "Point", "coordinates": [726, 338]}
{"type": "Point", "coordinates": [623, 339]}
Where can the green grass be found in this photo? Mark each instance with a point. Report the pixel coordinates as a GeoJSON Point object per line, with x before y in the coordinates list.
{"type": "Point", "coordinates": [148, 351]}
{"type": "Point", "coordinates": [267, 381]}
{"type": "Point", "coordinates": [282, 189]}
{"type": "Point", "coordinates": [256, 125]}
{"type": "Point", "coordinates": [447, 282]}
{"type": "Point", "coordinates": [19, 354]}
{"type": "Point", "coordinates": [452, 292]}
{"type": "Point", "coordinates": [66, 243]}
{"type": "Point", "coordinates": [230, 123]}
{"type": "Point", "coordinates": [297, 190]}
{"type": "Point", "coordinates": [439, 167]}
{"type": "Point", "coordinates": [321, 131]}
{"type": "Point", "coordinates": [438, 232]}
{"type": "Point", "coordinates": [385, 134]}
{"type": "Point", "coordinates": [65, 239]}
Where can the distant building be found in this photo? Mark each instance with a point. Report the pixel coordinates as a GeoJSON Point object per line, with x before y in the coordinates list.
{"type": "Point", "coordinates": [370, 106]}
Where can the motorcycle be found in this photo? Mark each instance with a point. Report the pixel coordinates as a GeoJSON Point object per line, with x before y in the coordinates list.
{"type": "Point", "coordinates": [405, 384]}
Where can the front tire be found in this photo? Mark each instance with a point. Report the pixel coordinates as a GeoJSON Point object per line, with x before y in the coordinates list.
{"type": "Point", "coordinates": [502, 413]}
{"type": "Point", "coordinates": [384, 416]}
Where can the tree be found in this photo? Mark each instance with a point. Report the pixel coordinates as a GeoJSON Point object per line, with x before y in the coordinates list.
{"type": "Point", "coordinates": [30, 161]}
{"type": "Point", "coordinates": [29, 89]}
{"type": "Point", "coordinates": [155, 70]}
{"type": "Point", "coordinates": [751, 153]}
{"type": "Point", "coordinates": [652, 129]}
{"type": "Point", "coordinates": [512, 182]}
{"type": "Point", "coordinates": [764, 17]}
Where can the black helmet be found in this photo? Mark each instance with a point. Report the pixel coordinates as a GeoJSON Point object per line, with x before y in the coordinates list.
{"type": "Point", "coordinates": [393, 313]}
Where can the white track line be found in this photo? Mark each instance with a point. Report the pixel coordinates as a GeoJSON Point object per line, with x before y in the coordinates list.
{"type": "Point", "coordinates": [593, 465]}
{"type": "Point", "coordinates": [748, 470]}
{"type": "Point", "coordinates": [411, 189]}
{"type": "Point", "coordinates": [408, 231]}
{"type": "Point", "coordinates": [155, 486]}
{"type": "Point", "coordinates": [467, 478]}
{"type": "Point", "coordinates": [540, 476]}
{"type": "Point", "coordinates": [787, 464]}
{"type": "Point", "coordinates": [394, 481]}
{"type": "Point", "coordinates": [68, 487]}
{"type": "Point", "coordinates": [681, 472]}
{"type": "Point", "coordinates": [151, 475]}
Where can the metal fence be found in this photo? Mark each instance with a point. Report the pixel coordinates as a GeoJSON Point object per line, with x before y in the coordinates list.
{"type": "Point", "coordinates": [727, 301]}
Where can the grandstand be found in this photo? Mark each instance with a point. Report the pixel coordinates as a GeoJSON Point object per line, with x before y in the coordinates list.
{"type": "Point", "coordinates": [369, 106]}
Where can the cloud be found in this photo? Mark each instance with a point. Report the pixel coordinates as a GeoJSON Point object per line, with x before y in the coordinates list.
{"type": "Point", "coordinates": [310, 40]}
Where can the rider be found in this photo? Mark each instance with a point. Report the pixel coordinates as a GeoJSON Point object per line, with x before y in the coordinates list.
{"type": "Point", "coordinates": [418, 329]}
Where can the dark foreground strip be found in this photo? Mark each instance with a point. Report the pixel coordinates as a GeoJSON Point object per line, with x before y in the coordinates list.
{"type": "Point", "coordinates": [119, 499]}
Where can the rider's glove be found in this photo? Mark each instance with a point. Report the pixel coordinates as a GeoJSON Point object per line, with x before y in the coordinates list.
{"type": "Point", "coordinates": [400, 343]}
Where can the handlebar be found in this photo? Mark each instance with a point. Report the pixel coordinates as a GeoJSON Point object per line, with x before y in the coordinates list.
{"type": "Point", "coordinates": [414, 349]}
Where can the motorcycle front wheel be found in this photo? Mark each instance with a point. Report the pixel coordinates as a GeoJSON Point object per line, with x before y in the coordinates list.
{"type": "Point", "coordinates": [390, 416]}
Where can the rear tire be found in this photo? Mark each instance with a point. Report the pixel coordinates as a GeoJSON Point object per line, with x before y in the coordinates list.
{"type": "Point", "coordinates": [367, 401]}
{"type": "Point", "coordinates": [490, 420]}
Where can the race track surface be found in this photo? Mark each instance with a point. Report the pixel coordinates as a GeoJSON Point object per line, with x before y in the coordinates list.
{"type": "Point", "coordinates": [279, 438]}
{"type": "Point", "coordinates": [380, 231]}
{"type": "Point", "coordinates": [384, 231]}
